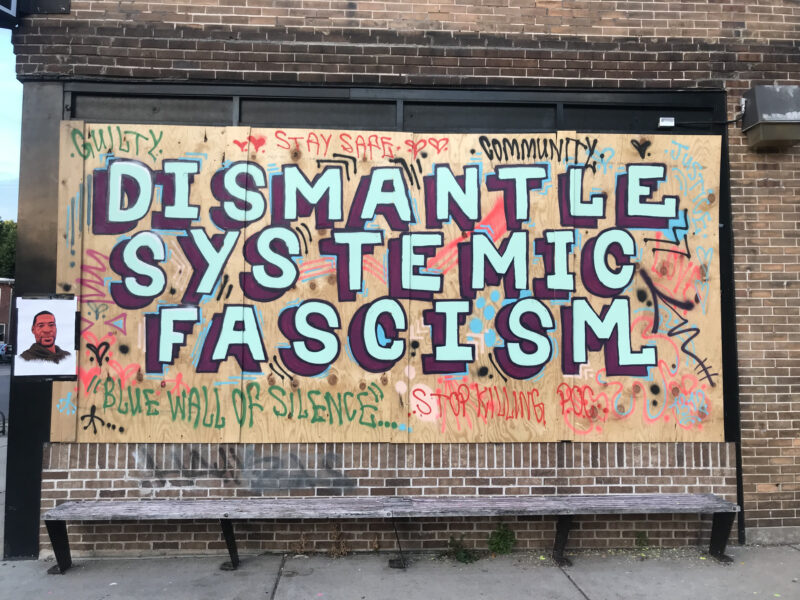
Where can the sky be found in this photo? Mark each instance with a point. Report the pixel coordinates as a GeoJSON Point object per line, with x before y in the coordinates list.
{"type": "Point", "coordinates": [10, 123]}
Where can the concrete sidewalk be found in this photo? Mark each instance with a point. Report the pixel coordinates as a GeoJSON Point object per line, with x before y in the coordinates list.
{"type": "Point", "coordinates": [758, 572]}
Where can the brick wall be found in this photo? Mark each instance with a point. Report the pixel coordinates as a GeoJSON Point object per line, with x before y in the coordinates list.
{"type": "Point", "coordinates": [6, 293]}
{"type": "Point", "coordinates": [510, 44]}
{"type": "Point", "coordinates": [106, 471]}
{"type": "Point", "coordinates": [765, 189]}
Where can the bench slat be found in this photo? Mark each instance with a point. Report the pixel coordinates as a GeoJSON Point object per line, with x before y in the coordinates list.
{"type": "Point", "coordinates": [569, 505]}
{"type": "Point", "coordinates": [386, 507]}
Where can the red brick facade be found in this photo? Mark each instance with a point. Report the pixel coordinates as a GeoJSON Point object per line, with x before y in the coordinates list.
{"type": "Point", "coordinates": [728, 45]}
{"type": "Point", "coordinates": [100, 471]}
{"type": "Point", "coordinates": [6, 296]}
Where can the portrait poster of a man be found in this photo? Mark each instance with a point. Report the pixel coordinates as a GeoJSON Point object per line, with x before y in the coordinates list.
{"type": "Point", "coordinates": [40, 323]}
{"type": "Point", "coordinates": [44, 332]}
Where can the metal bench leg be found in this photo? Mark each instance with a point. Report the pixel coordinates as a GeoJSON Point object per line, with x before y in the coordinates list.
{"type": "Point", "coordinates": [563, 525]}
{"type": "Point", "coordinates": [230, 541]}
{"type": "Point", "coordinates": [398, 563]}
{"type": "Point", "coordinates": [57, 530]}
{"type": "Point", "coordinates": [720, 530]}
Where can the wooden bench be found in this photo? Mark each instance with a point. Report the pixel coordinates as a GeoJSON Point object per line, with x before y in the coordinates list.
{"type": "Point", "coordinates": [564, 508]}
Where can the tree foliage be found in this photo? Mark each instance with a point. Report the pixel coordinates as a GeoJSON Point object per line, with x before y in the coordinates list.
{"type": "Point", "coordinates": [8, 248]}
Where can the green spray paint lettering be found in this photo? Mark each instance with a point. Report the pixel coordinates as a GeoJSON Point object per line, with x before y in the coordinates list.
{"type": "Point", "coordinates": [151, 404]}
{"type": "Point", "coordinates": [273, 391]}
{"type": "Point", "coordinates": [251, 403]}
{"type": "Point", "coordinates": [316, 408]}
{"type": "Point", "coordinates": [177, 403]}
{"type": "Point", "coordinates": [82, 147]}
{"type": "Point", "coordinates": [127, 400]}
{"type": "Point", "coordinates": [340, 406]}
{"type": "Point", "coordinates": [109, 399]}
{"type": "Point", "coordinates": [197, 408]}
{"type": "Point", "coordinates": [244, 403]}
{"type": "Point", "coordinates": [364, 405]}
{"type": "Point", "coordinates": [335, 409]}
{"type": "Point", "coordinates": [134, 406]}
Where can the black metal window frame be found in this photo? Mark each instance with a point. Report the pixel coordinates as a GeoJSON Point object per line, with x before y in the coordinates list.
{"type": "Point", "coordinates": [397, 109]}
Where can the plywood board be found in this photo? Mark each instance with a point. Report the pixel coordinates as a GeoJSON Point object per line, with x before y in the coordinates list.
{"type": "Point", "coordinates": [72, 218]}
{"type": "Point", "coordinates": [121, 397]}
{"type": "Point", "coordinates": [340, 400]}
{"type": "Point", "coordinates": [563, 286]}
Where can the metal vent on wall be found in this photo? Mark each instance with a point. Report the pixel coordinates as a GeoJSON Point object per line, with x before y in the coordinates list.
{"type": "Point", "coordinates": [772, 116]}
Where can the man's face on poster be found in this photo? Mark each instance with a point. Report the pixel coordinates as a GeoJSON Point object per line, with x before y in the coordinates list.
{"type": "Point", "coordinates": [44, 330]}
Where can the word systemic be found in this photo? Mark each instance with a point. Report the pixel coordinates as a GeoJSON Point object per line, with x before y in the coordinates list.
{"type": "Point", "coordinates": [260, 210]}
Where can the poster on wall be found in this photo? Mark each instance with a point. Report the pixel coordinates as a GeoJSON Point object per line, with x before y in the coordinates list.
{"type": "Point", "coordinates": [284, 285]}
{"type": "Point", "coordinates": [46, 337]}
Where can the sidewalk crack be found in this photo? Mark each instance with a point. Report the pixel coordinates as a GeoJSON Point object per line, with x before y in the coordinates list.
{"type": "Point", "coordinates": [572, 581]}
{"type": "Point", "coordinates": [278, 578]}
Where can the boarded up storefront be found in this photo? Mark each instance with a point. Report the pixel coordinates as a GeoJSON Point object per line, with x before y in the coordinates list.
{"type": "Point", "coordinates": [242, 285]}
{"type": "Point", "coordinates": [409, 251]}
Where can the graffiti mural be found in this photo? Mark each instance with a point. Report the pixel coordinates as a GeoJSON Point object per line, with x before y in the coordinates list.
{"type": "Point", "coordinates": [268, 285]}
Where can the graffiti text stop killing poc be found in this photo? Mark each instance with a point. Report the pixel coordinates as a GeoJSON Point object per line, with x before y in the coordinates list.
{"type": "Point", "coordinates": [261, 209]}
